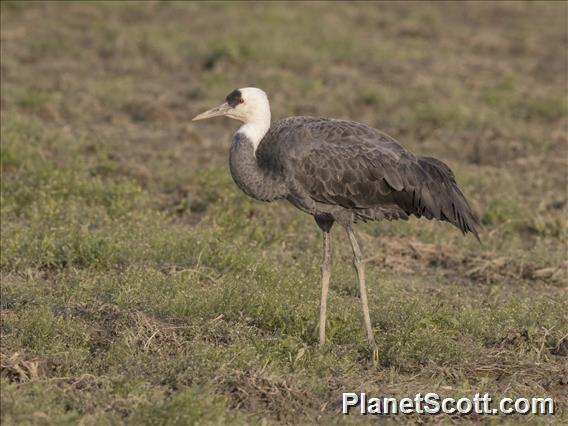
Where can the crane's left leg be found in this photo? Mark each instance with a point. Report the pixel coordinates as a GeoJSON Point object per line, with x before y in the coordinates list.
{"type": "Point", "coordinates": [325, 275]}
{"type": "Point", "coordinates": [360, 267]}
{"type": "Point", "coordinates": [325, 224]}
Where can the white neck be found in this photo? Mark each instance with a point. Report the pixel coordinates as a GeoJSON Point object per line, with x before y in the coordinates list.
{"type": "Point", "coordinates": [255, 130]}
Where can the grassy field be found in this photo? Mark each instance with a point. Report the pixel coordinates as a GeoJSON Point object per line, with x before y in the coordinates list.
{"type": "Point", "coordinates": [141, 287]}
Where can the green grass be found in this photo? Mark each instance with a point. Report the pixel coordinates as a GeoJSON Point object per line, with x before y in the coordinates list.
{"type": "Point", "coordinates": [139, 286]}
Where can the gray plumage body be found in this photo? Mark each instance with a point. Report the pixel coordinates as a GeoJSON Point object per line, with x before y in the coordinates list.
{"type": "Point", "coordinates": [337, 171]}
{"type": "Point", "coordinates": [343, 171]}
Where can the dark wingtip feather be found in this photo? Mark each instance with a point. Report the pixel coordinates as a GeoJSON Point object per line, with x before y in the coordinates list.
{"type": "Point", "coordinates": [474, 231]}
{"type": "Point", "coordinates": [453, 204]}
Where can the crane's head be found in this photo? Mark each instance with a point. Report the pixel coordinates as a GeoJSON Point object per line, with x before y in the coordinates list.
{"type": "Point", "coordinates": [249, 105]}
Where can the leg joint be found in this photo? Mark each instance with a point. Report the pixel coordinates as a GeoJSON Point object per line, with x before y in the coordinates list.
{"type": "Point", "coordinates": [326, 265]}
{"type": "Point", "coordinates": [357, 262]}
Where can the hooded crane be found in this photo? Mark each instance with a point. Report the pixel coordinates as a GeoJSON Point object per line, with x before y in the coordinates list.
{"type": "Point", "coordinates": [337, 171]}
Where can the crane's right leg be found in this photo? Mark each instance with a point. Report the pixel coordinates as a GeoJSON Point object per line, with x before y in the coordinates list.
{"type": "Point", "coordinates": [360, 268]}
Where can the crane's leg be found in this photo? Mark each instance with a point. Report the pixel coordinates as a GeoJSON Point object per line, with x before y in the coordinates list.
{"type": "Point", "coordinates": [325, 275]}
{"type": "Point", "coordinates": [360, 268]}
{"type": "Point", "coordinates": [325, 223]}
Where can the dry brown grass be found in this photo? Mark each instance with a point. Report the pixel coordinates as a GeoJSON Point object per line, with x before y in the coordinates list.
{"type": "Point", "coordinates": [138, 285]}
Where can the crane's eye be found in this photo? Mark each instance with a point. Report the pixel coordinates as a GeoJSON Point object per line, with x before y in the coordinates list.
{"type": "Point", "coordinates": [241, 100]}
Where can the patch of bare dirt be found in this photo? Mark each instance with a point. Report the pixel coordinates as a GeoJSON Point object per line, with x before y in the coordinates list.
{"type": "Point", "coordinates": [410, 255]}
{"type": "Point", "coordinates": [268, 396]}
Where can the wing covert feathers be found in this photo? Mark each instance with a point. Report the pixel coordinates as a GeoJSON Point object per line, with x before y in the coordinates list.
{"type": "Point", "coordinates": [343, 164]}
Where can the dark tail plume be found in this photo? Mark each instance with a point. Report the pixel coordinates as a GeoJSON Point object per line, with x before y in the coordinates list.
{"type": "Point", "coordinates": [437, 196]}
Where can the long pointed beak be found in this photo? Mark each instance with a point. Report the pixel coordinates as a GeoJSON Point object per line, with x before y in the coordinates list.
{"type": "Point", "coordinates": [220, 110]}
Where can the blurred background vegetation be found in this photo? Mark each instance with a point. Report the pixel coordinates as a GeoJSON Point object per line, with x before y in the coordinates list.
{"type": "Point", "coordinates": [139, 286]}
